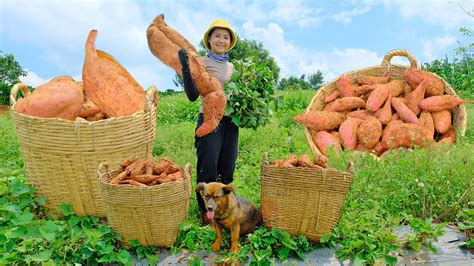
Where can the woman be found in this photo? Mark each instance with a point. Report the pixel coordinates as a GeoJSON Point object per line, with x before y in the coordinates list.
{"type": "Point", "coordinates": [216, 151]}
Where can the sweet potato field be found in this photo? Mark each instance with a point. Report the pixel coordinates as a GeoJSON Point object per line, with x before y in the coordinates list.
{"type": "Point", "coordinates": [421, 188]}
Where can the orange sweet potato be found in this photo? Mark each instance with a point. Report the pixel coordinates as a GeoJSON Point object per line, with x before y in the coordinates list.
{"type": "Point", "coordinates": [449, 137]}
{"type": "Point", "coordinates": [442, 121]}
{"type": "Point", "coordinates": [371, 80]}
{"type": "Point", "coordinates": [384, 114]}
{"type": "Point", "coordinates": [325, 141]}
{"type": "Point", "coordinates": [331, 97]}
{"type": "Point", "coordinates": [165, 42]}
{"type": "Point", "coordinates": [343, 85]}
{"type": "Point", "coordinates": [361, 90]}
{"type": "Point", "coordinates": [415, 97]}
{"type": "Point", "coordinates": [414, 76]}
{"type": "Point", "coordinates": [441, 102]}
{"type": "Point", "coordinates": [396, 87]}
{"type": "Point", "coordinates": [61, 97]}
{"type": "Point", "coordinates": [108, 84]}
{"type": "Point", "coordinates": [346, 104]}
{"type": "Point", "coordinates": [369, 132]}
{"type": "Point", "coordinates": [348, 133]}
{"type": "Point", "coordinates": [361, 114]}
{"type": "Point", "coordinates": [320, 120]}
{"type": "Point", "coordinates": [405, 113]}
{"type": "Point", "coordinates": [405, 135]}
{"type": "Point", "coordinates": [378, 96]}
{"type": "Point", "coordinates": [426, 120]}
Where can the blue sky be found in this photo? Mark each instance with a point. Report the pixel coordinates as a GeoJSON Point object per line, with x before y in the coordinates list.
{"type": "Point", "coordinates": [47, 37]}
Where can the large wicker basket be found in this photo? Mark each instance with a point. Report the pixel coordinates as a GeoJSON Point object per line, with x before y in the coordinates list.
{"type": "Point", "coordinates": [459, 113]}
{"type": "Point", "coordinates": [149, 214]}
{"type": "Point", "coordinates": [302, 201]}
{"type": "Point", "coordinates": [61, 156]}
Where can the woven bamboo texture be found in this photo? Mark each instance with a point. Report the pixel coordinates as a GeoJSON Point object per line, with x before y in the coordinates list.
{"type": "Point", "coordinates": [459, 114]}
{"type": "Point", "coordinates": [61, 156]}
{"type": "Point", "coordinates": [149, 214]}
{"type": "Point", "coordinates": [302, 201]}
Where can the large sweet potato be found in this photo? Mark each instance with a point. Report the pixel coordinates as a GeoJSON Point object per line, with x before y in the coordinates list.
{"type": "Point", "coordinates": [369, 132]}
{"type": "Point", "coordinates": [108, 84]}
{"type": "Point", "coordinates": [434, 85]}
{"type": "Point", "coordinates": [320, 120]}
{"type": "Point", "coordinates": [62, 97]}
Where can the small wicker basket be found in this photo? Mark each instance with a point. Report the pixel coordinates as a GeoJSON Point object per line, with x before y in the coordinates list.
{"type": "Point", "coordinates": [61, 156]}
{"type": "Point", "coordinates": [302, 201]}
{"type": "Point", "coordinates": [149, 214]}
{"type": "Point", "coordinates": [459, 113]}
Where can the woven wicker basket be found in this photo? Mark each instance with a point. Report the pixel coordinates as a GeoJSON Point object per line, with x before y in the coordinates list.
{"type": "Point", "coordinates": [459, 113]}
{"type": "Point", "coordinates": [150, 214]}
{"type": "Point", "coordinates": [302, 201]}
{"type": "Point", "coordinates": [61, 156]}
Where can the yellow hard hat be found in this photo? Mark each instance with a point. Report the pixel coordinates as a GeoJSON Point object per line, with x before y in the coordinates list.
{"type": "Point", "coordinates": [219, 23]}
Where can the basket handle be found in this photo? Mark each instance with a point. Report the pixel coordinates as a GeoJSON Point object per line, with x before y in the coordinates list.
{"type": "Point", "coordinates": [265, 159]}
{"type": "Point", "coordinates": [102, 166]}
{"type": "Point", "coordinates": [188, 171]}
{"type": "Point", "coordinates": [152, 95]}
{"type": "Point", "coordinates": [405, 53]}
{"type": "Point", "coordinates": [19, 86]}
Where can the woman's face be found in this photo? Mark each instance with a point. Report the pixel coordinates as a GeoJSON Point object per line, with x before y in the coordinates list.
{"type": "Point", "coordinates": [219, 40]}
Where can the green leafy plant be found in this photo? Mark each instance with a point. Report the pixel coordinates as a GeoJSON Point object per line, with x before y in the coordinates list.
{"type": "Point", "coordinates": [249, 94]}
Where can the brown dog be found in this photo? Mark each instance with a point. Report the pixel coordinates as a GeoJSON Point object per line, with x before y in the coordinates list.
{"type": "Point", "coordinates": [229, 211]}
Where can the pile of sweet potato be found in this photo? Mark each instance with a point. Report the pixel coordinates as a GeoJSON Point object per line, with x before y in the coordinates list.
{"type": "Point", "coordinates": [376, 114]}
{"type": "Point", "coordinates": [146, 173]}
{"type": "Point", "coordinates": [108, 90]}
{"type": "Point", "coordinates": [302, 161]}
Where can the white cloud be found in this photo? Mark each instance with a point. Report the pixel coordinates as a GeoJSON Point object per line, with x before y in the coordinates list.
{"type": "Point", "coordinates": [446, 14]}
{"type": "Point", "coordinates": [295, 61]}
{"type": "Point", "coordinates": [32, 79]}
{"type": "Point", "coordinates": [346, 16]}
{"type": "Point", "coordinates": [432, 46]}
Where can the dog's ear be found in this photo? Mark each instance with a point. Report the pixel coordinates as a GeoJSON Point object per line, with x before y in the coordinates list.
{"type": "Point", "coordinates": [200, 186]}
{"type": "Point", "coordinates": [227, 189]}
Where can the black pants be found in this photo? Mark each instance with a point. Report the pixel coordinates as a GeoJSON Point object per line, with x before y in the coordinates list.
{"type": "Point", "coordinates": [216, 154]}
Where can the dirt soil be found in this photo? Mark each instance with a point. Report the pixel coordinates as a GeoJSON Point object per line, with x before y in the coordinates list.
{"type": "Point", "coordinates": [4, 109]}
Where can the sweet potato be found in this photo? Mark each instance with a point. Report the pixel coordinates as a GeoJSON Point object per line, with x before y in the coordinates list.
{"type": "Point", "coordinates": [320, 120]}
{"type": "Point", "coordinates": [426, 120]}
{"type": "Point", "coordinates": [213, 110]}
{"type": "Point", "coordinates": [384, 114]}
{"type": "Point", "coordinates": [396, 87]}
{"type": "Point", "coordinates": [348, 133]}
{"type": "Point", "coordinates": [371, 80]}
{"type": "Point", "coordinates": [414, 76]}
{"type": "Point", "coordinates": [88, 107]}
{"type": "Point", "coordinates": [416, 96]}
{"type": "Point", "coordinates": [331, 97]}
{"type": "Point", "coordinates": [346, 103]}
{"type": "Point", "coordinates": [120, 177]}
{"type": "Point", "coordinates": [321, 160]}
{"type": "Point", "coordinates": [325, 141]}
{"type": "Point", "coordinates": [132, 182]}
{"type": "Point", "coordinates": [304, 161]}
{"type": "Point", "coordinates": [165, 42]}
{"type": "Point", "coordinates": [362, 114]}
{"type": "Point", "coordinates": [108, 84]}
{"type": "Point", "coordinates": [369, 132]}
{"type": "Point", "coordinates": [343, 85]}
{"type": "Point", "coordinates": [61, 97]}
{"type": "Point", "coordinates": [378, 96]}
{"type": "Point", "coordinates": [441, 102]}
{"type": "Point", "coordinates": [449, 137]}
{"type": "Point", "coordinates": [361, 90]}
{"type": "Point", "coordinates": [127, 162]}
{"type": "Point", "coordinates": [162, 165]}
{"type": "Point", "coordinates": [405, 135]}
{"type": "Point", "coordinates": [442, 121]}
{"type": "Point", "coordinates": [405, 113]}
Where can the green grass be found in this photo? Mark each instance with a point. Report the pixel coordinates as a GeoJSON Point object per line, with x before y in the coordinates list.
{"type": "Point", "coordinates": [415, 187]}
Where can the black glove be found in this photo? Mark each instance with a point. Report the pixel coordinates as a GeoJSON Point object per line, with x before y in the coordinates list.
{"type": "Point", "coordinates": [189, 86]}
